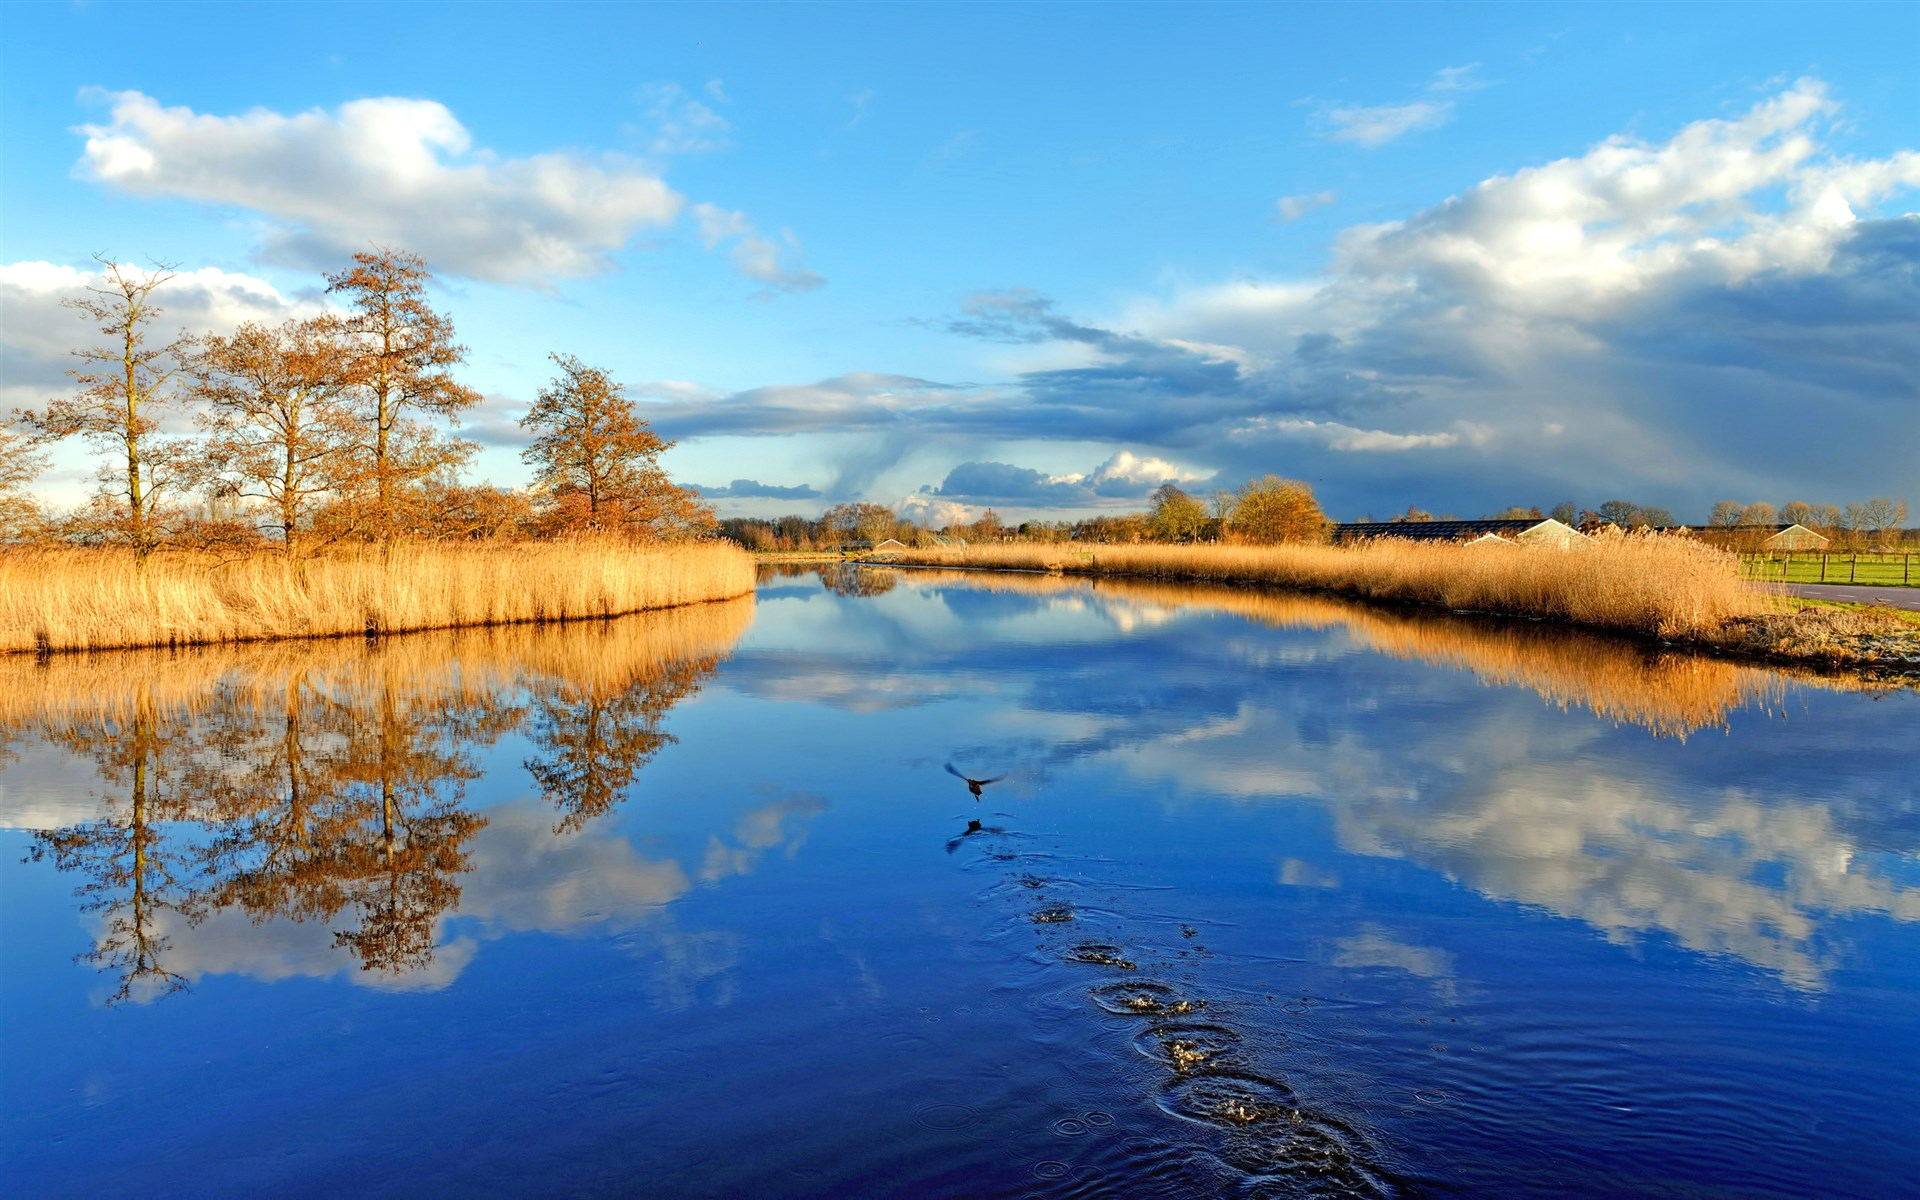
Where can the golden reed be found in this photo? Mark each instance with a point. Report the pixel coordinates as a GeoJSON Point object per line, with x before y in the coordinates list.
{"type": "Point", "coordinates": [1649, 585]}
{"type": "Point", "coordinates": [595, 661]}
{"type": "Point", "coordinates": [95, 599]}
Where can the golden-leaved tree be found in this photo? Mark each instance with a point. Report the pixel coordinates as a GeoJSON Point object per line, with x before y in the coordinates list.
{"type": "Point", "coordinates": [402, 354]}
{"type": "Point", "coordinates": [1175, 515]}
{"type": "Point", "coordinates": [598, 461]}
{"type": "Point", "coordinates": [279, 428]}
{"type": "Point", "coordinates": [1271, 510]}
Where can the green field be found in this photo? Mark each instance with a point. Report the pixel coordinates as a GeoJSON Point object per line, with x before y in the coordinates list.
{"type": "Point", "coordinates": [1890, 570]}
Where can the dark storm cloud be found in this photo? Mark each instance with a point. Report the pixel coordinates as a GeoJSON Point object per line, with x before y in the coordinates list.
{"type": "Point", "coordinates": [753, 489]}
{"type": "Point", "coordinates": [1718, 314]}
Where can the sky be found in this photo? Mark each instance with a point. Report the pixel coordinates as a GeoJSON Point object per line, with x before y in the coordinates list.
{"type": "Point", "coordinates": [1043, 258]}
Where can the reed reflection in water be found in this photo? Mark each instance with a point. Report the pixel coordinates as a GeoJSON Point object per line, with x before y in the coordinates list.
{"type": "Point", "coordinates": [325, 783]}
{"type": "Point", "coordinates": [1668, 693]}
{"type": "Point", "coordinates": [1725, 861]}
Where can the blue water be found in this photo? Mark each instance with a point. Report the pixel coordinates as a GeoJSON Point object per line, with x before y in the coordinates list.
{"type": "Point", "coordinates": [1275, 897]}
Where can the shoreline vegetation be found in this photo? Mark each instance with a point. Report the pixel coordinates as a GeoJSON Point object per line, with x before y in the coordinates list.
{"type": "Point", "coordinates": [1667, 589]}
{"type": "Point", "coordinates": [77, 599]}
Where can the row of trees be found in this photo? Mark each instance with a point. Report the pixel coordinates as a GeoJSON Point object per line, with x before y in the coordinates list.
{"type": "Point", "coordinates": [1876, 521]}
{"type": "Point", "coordinates": [1264, 511]}
{"type": "Point", "coordinates": [324, 429]}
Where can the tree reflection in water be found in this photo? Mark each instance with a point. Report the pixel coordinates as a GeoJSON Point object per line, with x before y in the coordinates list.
{"type": "Point", "coordinates": [136, 868]}
{"type": "Point", "coordinates": [326, 782]}
{"type": "Point", "coordinates": [592, 742]}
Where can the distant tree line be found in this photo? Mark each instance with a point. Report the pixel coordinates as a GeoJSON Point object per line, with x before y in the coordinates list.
{"type": "Point", "coordinates": [1877, 522]}
{"type": "Point", "coordinates": [1266, 510]}
{"type": "Point", "coordinates": [322, 430]}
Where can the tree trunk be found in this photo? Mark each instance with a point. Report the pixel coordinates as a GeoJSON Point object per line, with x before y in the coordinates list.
{"type": "Point", "coordinates": [136, 498]}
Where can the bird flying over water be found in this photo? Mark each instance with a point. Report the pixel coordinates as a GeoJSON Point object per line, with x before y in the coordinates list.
{"type": "Point", "coordinates": [973, 785]}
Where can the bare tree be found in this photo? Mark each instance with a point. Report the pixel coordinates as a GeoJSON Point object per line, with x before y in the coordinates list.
{"type": "Point", "coordinates": [1880, 516]}
{"type": "Point", "coordinates": [863, 521]}
{"type": "Point", "coordinates": [125, 387]}
{"type": "Point", "coordinates": [1761, 513]}
{"type": "Point", "coordinates": [403, 353]}
{"type": "Point", "coordinates": [1725, 513]}
{"type": "Point", "coordinates": [280, 432]}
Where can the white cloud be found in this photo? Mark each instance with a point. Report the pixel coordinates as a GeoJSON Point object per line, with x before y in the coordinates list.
{"type": "Point", "coordinates": [1377, 124]}
{"type": "Point", "coordinates": [1373, 125]}
{"type": "Point", "coordinates": [1579, 232]}
{"type": "Point", "coordinates": [1124, 467]}
{"type": "Point", "coordinates": [754, 254]}
{"type": "Point", "coordinates": [1335, 436]}
{"type": "Point", "coordinates": [38, 333]}
{"type": "Point", "coordinates": [683, 124]}
{"type": "Point", "coordinates": [384, 169]}
{"type": "Point", "coordinates": [1292, 208]}
{"type": "Point", "coordinates": [931, 512]}
{"type": "Point", "coordinates": [1593, 321]}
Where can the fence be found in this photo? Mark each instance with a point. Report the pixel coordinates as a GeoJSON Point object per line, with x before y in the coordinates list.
{"type": "Point", "coordinates": [1817, 566]}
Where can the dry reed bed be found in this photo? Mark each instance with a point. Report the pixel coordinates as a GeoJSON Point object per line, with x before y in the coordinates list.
{"type": "Point", "coordinates": [1647, 585]}
{"type": "Point", "coordinates": [80, 599]}
{"type": "Point", "coordinates": [597, 661]}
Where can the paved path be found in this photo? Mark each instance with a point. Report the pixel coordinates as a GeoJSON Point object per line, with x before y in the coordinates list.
{"type": "Point", "coordinates": [1892, 597]}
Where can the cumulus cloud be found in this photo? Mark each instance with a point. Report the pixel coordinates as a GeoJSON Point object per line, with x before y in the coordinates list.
{"type": "Point", "coordinates": [932, 512]}
{"type": "Point", "coordinates": [753, 489]}
{"type": "Point", "coordinates": [383, 169]}
{"type": "Point", "coordinates": [1292, 208]}
{"type": "Point", "coordinates": [404, 171]}
{"type": "Point", "coordinates": [754, 254]}
{"type": "Point", "coordinates": [1123, 476]}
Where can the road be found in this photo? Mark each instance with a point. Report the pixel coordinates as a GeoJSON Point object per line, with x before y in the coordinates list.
{"type": "Point", "coordinates": [1892, 597]}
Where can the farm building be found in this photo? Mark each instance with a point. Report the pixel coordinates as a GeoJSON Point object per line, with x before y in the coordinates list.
{"type": "Point", "coordinates": [1543, 530]}
{"type": "Point", "coordinates": [890, 544]}
{"type": "Point", "coordinates": [1758, 537]}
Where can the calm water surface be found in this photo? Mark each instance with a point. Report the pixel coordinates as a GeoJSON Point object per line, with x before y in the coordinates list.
{"type": "Point", "coordinates": [1271, 896]}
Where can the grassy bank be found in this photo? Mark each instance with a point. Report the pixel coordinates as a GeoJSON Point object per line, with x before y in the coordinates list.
{"type": "Point", "coordinates": [1674, 589]}
{"type": "Point", "coordinates": [90, 599]}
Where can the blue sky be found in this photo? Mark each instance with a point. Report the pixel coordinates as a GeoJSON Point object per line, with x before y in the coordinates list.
{"type": "Point", "coordinates": [1044, 257]}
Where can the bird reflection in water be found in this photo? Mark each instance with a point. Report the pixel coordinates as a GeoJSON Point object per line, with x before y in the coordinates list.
{"type": "Point", "coordinates": [973, 827]}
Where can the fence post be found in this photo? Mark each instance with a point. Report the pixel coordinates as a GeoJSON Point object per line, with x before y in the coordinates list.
{"type": "Point", "coordinates": [1823, 566]}
{"type": "Point", "coordinates": [1853, 564]}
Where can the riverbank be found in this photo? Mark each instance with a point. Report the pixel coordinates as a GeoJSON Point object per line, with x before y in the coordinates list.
{"type": "Point", "coordinates": [1672, 590]}
{"type": "Point", "coordinates": [97, 599]}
